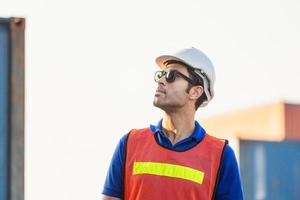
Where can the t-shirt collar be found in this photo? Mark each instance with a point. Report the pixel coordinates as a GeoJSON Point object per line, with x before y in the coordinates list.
{"type": "Point", "coordinates": [198, 133]}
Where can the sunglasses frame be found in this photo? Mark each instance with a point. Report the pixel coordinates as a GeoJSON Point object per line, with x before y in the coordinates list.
{"type": "Point", "coordinates": [176, 73]}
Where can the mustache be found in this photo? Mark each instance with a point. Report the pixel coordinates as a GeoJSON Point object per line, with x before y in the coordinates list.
{"type": "Point", "coordinates": [162, 90]}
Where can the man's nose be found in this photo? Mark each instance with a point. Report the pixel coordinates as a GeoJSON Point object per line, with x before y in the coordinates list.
{"type": "Point", "coordinates": [162, 81]}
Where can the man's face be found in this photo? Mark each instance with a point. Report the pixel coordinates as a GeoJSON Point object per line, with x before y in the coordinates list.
{"type": "Point", "coordinates": [171, 96]}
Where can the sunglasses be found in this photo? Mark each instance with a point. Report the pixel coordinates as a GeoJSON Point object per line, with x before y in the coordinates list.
{"type": "Point", "coordinates": [171, 75]}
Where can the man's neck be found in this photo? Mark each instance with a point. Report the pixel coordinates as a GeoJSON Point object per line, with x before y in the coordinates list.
{"type": "Point", "coordinates": [178, 126]}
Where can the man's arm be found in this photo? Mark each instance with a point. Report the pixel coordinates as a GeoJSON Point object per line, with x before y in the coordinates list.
{"type": "Point", "coordinates": [229, 186]}
{"type": "Point", "coordinates": [104, 197]}
{"type": "Point", "coordinates": [113, 185]}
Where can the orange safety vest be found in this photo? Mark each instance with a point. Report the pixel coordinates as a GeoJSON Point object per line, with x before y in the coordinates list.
{"type": "Point", "coordinates": [153, 172]}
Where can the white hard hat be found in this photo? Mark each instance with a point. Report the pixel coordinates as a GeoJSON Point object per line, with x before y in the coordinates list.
{"type": "Point", "coordinates": [200, 62]}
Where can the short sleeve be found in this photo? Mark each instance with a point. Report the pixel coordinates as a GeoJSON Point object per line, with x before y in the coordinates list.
{"type": "Point", "coordinates": [113, 185]}
{"type": "Point", "coordinates": [229, 186]}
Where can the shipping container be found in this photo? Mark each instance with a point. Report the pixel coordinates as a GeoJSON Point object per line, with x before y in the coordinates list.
{"type": "Point", "coordinates": [271, 122]}
{"type": "Point", "coordinates": [270, 170]}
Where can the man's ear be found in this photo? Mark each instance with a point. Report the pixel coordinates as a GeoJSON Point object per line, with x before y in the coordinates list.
{"type": "Point", "coordinates": [196, 92]}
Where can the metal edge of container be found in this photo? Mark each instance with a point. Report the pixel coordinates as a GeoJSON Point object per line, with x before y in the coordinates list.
{"type": "Point", "coordinates": [16, 108]}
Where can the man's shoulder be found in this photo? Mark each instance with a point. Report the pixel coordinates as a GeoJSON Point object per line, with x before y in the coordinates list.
{"type": "Point", "coordinates": [213, 137]}
{"type": "Point", "coordinates": [222, 143]}
{"type": "Point", "coordinates": [140, 133]}
{"type": "Point", "coordinates": [229, 153]}
{"type": "Point", "coordinates": [140, 130]}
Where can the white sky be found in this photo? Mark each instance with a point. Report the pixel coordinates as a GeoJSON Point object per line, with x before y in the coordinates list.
{"type": "Point", "coordinates": [89, 74]}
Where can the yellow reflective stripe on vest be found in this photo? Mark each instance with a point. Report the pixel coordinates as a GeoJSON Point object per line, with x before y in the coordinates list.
{"type": "Point", "coordinates": [170, 170]}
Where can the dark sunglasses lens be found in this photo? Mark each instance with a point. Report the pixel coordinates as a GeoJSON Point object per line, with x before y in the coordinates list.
{"type": "Point", "coordinates": [171, 75]}
{"type": "Point", "coordinates": [158, 75]}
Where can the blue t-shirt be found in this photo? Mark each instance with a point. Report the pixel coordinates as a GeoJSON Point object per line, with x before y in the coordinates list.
{"type": "Point", "coordinates": [229, 184]}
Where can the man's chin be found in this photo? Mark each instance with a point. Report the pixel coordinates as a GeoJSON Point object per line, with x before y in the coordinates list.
{"type": "Point", "coordinates": [156, 103]}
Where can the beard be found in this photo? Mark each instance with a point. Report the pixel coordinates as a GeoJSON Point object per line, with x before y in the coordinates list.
{"type": "Point", "coordinates": [167, 104]}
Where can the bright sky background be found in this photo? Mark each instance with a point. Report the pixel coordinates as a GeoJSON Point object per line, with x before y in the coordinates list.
{"type": "Point", "coordinates": [89, 74]}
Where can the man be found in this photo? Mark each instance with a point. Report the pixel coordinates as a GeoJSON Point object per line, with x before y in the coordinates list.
{"type": "Point", "coordinates": [176, 159]}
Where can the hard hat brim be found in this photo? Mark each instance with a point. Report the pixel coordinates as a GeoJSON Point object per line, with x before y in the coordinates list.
{"type": "Point", "coordinates": [162, 59]}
